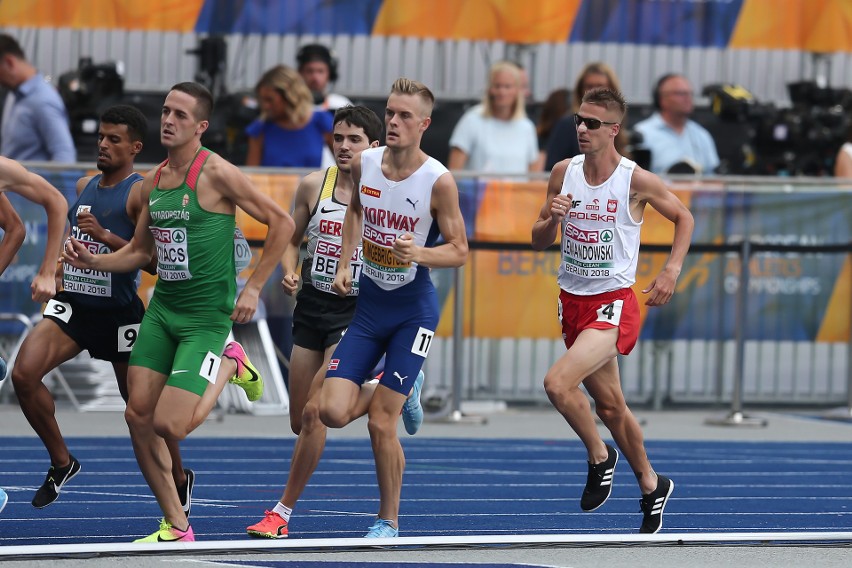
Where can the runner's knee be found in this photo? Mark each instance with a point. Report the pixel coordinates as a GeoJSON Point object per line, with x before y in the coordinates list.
{"type": "Point", "coordinates": [310, 419]}
{"type": "Point", "coordinates": [170, 430]}
{"type": "Point", "coordinates": [333, 417]}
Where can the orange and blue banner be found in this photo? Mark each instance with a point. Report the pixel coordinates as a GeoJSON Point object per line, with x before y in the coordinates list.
{"type": "Point", "coordinates": [811, 25]}
{"type": "Point", "coordinates": [511, 293]}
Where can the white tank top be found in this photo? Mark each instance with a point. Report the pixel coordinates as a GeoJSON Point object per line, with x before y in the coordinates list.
{"type": "Point", "coordinates": [325, 239]}
{"type": "Point", "coordinates": [600, 240]}
{"type": "Point", "coordinates": [391, 209]}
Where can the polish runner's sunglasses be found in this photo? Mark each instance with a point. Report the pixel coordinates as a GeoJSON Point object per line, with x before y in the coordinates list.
{"type": "Point", "coordinates": [591, 123]}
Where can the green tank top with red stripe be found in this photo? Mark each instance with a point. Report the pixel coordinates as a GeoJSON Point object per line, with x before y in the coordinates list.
{"type": "Point", "coordinates": [195, 247]}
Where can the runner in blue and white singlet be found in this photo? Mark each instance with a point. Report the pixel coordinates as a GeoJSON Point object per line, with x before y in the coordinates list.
{"type": "Point", "coordinates": [397, 310]}
{"type": "Point", "coordinates": [403, 200]}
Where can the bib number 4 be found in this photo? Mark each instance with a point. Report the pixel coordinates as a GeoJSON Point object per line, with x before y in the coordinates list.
{"type": "Point", "coordinates": [611, 313]}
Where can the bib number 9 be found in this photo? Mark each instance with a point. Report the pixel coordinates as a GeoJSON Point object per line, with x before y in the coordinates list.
{"type": "Point", "coordinates": [59, 310]}
{"type": "Point", "coordinates": [127, 335]}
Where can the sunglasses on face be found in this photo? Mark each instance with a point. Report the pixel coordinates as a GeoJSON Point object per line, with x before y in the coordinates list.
{"type": "Point", "coordinates": [591, 123]}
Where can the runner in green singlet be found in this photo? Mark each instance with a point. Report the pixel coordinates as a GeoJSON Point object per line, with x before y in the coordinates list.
{"type": "Point", "coordinates": [176, 373]}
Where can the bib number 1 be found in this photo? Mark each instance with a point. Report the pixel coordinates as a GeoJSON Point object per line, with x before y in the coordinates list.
{"type": "Point", "coordinates": [210, 367]}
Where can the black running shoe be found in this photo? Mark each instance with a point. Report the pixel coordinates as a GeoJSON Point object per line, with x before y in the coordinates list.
{"type": "Point", "coordinates": [55, 480]}
{"type": "Point", "coordinates": [654, 503]}
{"type": "Point", "coordinates": [185, 491]}
{"type": "Point", "coordinates": [599, 481]}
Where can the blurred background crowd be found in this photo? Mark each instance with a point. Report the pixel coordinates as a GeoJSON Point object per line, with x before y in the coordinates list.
{"type": "Point", "coordinates": [507, 81]}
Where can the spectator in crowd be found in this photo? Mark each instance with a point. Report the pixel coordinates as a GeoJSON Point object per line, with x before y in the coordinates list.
{"type": "Point", "coordinates": [290, 132]}
{"type": "Point", "coordinates": [562, 142]}
{"type": "Point", "coordinates": [496, 136]}
{"type": "Point", "coordinates": [555, 107]}
{"type": "Point", "coordinates": [34, 119]}
{"type": "Point", "coordinates": [672, 137]}
{"type": "Point", "coordinates": [526, 89]}
{"type": "Point", "coordinates": [318, 67]}
{"type": "Point", "coordinates": [843, 161]}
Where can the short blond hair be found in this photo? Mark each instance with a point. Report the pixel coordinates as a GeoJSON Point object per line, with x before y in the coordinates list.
{"type": "Point", "coordinates": [519, 110]}
{"type": "Point", "coordinates": [405, 86]}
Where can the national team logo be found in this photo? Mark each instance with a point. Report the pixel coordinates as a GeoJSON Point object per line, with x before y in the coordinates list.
{"type": "Point", "coordinates": [333, 364]}
{"type": "Point", "coordinates": [185, 199]}
{"type": "Point", "coordinates": [612, 205]}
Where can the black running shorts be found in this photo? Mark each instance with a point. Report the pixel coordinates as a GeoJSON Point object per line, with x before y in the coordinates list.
{"type": "Point", "coordinates": [107, 334]}
{"type": "Point", "coordinates": [320, 318]}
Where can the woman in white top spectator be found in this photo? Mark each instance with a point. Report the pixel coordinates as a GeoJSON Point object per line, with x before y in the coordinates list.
{"type": "Point", "coordinates": [497, 137]}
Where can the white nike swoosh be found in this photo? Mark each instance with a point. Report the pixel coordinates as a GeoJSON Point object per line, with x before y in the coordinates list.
{"type": "Point", "coordinates": [151, 202]}
{"type": "Point", "coordinates": [179, 372]}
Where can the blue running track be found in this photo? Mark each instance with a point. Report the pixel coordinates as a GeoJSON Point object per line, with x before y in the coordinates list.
{"type": "Point", "coordinates": [457, 487]}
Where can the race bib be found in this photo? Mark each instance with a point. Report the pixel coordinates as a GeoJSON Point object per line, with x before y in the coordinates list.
{"type": "Point", "coordinates": [588, 253]}
{"type": "Point", "coordinates": [59, 310]}
{"type": "Point", "coordinates": [127, 335]}
{"type": "Point", "coordinates": [242, 250]}
{"type": "Point", "coordinates": [422, 342]}
{"type": "Point", "coordinates": [611, 313]}
{"type": "Point", "coordinates": [172, 253]}
{"type": "Point", "coordinates": [210, 367]}
{"type": "Point", "coordinates": [85, 280]}
{"type": "Point", "coordinates": [324, 266]}
{"type": "Point", "coordinates": [379, 261]}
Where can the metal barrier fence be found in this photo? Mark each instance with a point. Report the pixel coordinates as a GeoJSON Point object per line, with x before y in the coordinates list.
{"type": "Point", "coordinates": [772, 330]}
{"type": "Point", "coordinates": [772, 325]}
{"type": "Point", "coordinates": [665, 372]}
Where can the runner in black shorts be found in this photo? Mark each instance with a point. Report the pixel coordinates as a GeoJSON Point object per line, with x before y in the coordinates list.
{"type": "Point", "coordinates": [321, 316]}
{"type": "Point", "coordinates": [319, 320]}
{"type": "Point", "coordinates": [97, 312]}
{"type": "Point", "coordinates": [107, 333]}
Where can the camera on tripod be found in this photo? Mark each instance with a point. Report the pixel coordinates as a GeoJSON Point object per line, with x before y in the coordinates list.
{"type": "Point", "coordinates": [86, 92]}
{"type": "Point", "coordinates": [800, 140]}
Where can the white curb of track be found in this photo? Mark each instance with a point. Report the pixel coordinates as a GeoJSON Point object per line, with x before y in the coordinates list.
{"type": "Point", "coordinates": [519, 541]}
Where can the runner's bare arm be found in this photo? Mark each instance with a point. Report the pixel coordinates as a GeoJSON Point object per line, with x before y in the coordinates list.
{"type": "Point", "coordinates": [553, 210]}
{"type": "Point", "coordinates": [233, 185]}
{"type": "Point", "coordinates": [13, 233]}
{"type": "Point", "coordinates": [14, 177]}
{"type": "Point", "coordinates": [445, 210]}
{"type": "Point", "coordinates": [353, 226]}
{"type": "Point", "coordinates": [649, 188]}
{"type": "Point", "coordinates": [304, 200]}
